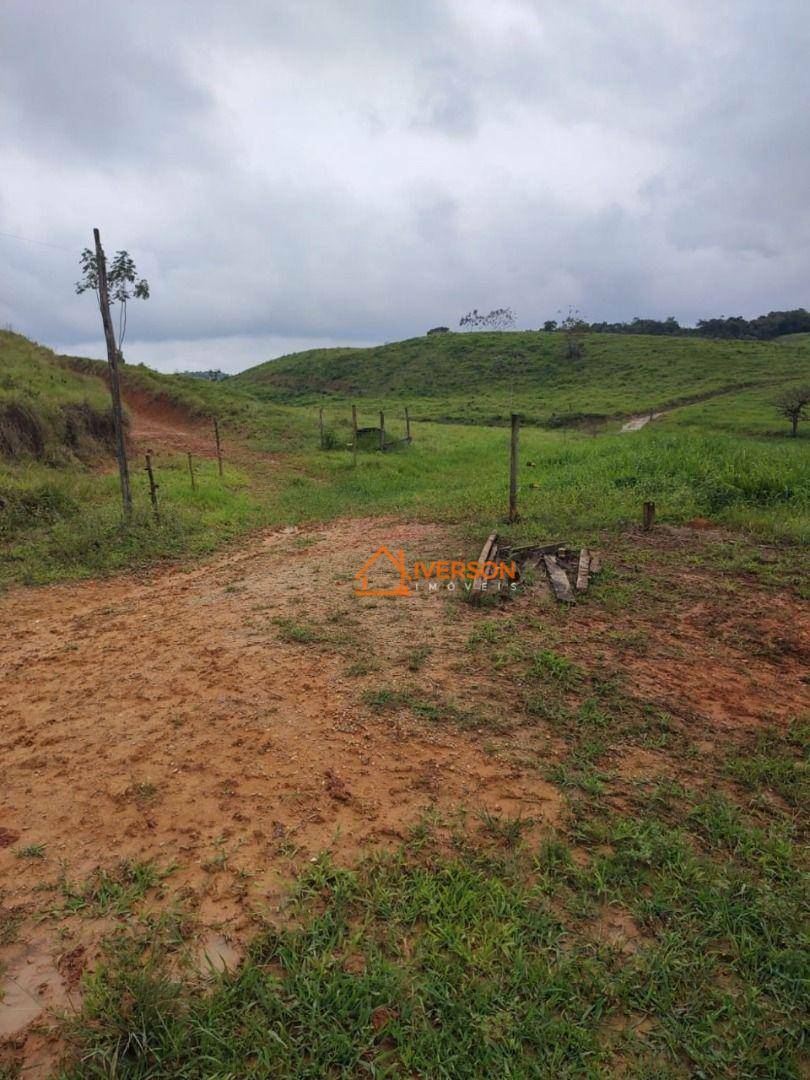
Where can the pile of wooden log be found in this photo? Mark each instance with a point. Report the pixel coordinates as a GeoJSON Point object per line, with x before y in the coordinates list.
{"type": "Point", "coordinates": [569, 569]}
{"type": "Point", "coordinates": [566, 567]}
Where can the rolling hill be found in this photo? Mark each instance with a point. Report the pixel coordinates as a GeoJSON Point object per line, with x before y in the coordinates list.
{"type": "Point", "coordinates": [482, 377]}
{"type": "Point", "coordinates": [60, 505]}
{"type": "Point", "coordinates": [48, 411]}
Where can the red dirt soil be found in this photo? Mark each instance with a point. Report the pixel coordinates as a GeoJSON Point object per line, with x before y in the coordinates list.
{"type": "Point", "coordinates": [219, 716]}
{"type": "Point", "coordinates": [158, 424]}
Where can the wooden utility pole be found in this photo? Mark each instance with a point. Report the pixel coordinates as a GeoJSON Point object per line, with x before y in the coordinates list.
{"type": "Point", "coordinates": [115, 386]}
{"type": "Point", "coordinates": [354, 434]}
{"type": "Point", "coordinates": [513, 469]}
{"type": "Point", "coordinates": [382, 430]}
{"type": "Point", "coordinates": [649, 516]}
{"type": "Point", "coordinates": [191, 472]}
{"type": "Point", "coordinates": [320, 424]}
{"type": "Point", "coordinates": [407, 425]}
{"type": "Point", "coordinates": [219, 448]}
{"type": "Point", "coordinates": [152, 485]}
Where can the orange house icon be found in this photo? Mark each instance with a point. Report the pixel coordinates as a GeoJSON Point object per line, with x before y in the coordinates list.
{"type": "Point", "coordinates": [397, 561]}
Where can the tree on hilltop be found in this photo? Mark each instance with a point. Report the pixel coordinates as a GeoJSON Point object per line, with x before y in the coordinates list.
{"type": "Point", "coordinates": [497, 319]}
{"type": "Point", "coordinates": [793, 404]}
{"type": "Point", "coordinates": [574, 329]}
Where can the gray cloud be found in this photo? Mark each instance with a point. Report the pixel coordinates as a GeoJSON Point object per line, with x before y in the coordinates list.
{"type": "Point", "coordinates": [327, 172]}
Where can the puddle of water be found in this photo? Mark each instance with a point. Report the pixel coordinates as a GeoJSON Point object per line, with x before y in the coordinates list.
{"type": "Point", "coordinates": [216, 953]}
{"type": "Point", "coordinates": [26, 990]}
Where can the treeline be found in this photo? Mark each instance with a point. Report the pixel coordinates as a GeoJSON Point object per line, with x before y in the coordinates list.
{"type": "Point", "coordinates": [762, 328]}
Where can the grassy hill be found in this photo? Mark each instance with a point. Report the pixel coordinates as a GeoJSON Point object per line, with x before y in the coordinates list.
{"type": "Point", "coordinates": [722, 454]}
{"type": "Point", "coordinates": [482, 377]}
{"type": "Point", "coordinates": [60, 510]}
{"type": "Point", "coordinates": [234, 406]}
{"type": "Point", "coordinates": [47, 411]}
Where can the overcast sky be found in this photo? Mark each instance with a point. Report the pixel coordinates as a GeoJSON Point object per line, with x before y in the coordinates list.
{"type": "Point", "coordinates": [306, 172]}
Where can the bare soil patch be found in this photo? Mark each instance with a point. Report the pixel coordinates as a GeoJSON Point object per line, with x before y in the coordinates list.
{"type": "Point", "coordinates": [234, 719]}
{"type": "Point", "coordinates": [157, 423]}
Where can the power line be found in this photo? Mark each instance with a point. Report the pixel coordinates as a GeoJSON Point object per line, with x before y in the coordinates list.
{"type": "Point", "coordinates": [43, 243]}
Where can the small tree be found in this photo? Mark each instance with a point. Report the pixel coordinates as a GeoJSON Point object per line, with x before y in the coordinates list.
{"type": "Point", "coordinates": [574, 328]}
{"type": "Point", "coordinates": [123, 284]}
{"type": "Point", "coordinates": [793, 404]}
{"type": "Point", "coordinates": [116, 284]}
{"type": "Point", "coordinates": [550, 325]}
{"type": "Point", "coordinates": [497, 319]}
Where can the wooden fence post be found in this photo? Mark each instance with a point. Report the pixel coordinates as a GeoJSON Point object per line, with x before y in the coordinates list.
{"type": "Point", "coordinates": [354, 434]}
{"type": "Point", "coordinates": [320, 425]}
{"type": "Point", "coordinates": [407, 425]}
{"type": "Point", "coordinates": [152, 485]}
{"type": "Point", "coordinates": [219, 448]}
{"type": "Point", "coordinates": [191, 473]}
{"type": "Point", "coordinates": [513, 469]}
{"type": "Point", "coordinates": [649, 516]}
{"type": "Point", "coordinates": [382, 430]}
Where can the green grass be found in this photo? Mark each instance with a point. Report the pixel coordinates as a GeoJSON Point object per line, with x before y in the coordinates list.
{"type": "Point", "coordinates": [111, 892]}
{"type": "Point", "coordinates": [237, 410]}
{"type": "Point", "coordinates": [31, 851]}
{"type": "Point", "coordinates": [65, 523]}
{"type": "Point", "coordinates": [577, 483]}
{"type": "Point", "coordinates": [783, 765]}
{"type": "Point", "coordinates": [750, 411]}
{"type": "Point", "coordinates": [299, 633]}
{"type": "Point", "coordinates": [62, 524]}
{"type": "Point", "coordinates": [471, 954]}
{"type": "Point", "coordinates": [60, 516]}
{"type": "Point", "coordinates": [481, 378]}
{"type": "Point", "coordinates": [728, 459]}
{"type": "Point", "coordinates": [47, 411]}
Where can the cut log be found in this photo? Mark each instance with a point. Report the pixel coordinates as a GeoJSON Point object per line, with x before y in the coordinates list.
{"type": "Point", "coordinates": [559, 580]}
{"type": "Point", "coordinates": [533, 551]}
{"type": "Point", "coordinates": [485, 556]}
{"type": "Point", "coordinates": [596, 562]}
{"type": "Point", "coordinates": [583, 570]}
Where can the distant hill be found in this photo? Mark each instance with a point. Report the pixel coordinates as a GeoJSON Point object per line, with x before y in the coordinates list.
{"type": "Point", "coordinates": [214, 375]}
{"type": "Point", "coordinates": [482, 377]}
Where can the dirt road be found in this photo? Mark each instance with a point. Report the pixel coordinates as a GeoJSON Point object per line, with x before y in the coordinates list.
{"type": "Point", "coordinates": [157, 423]}
{"type": "Point", "coordinates": [636, 423]}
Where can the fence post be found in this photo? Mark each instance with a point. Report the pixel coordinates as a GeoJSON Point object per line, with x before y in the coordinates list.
{"type": "Point", "coordinates": [320, 424]}
{"type": "Point", "coordinates": [513, 469]}
{"type": "Point", "coordinates": [648, 516]}
{"type": "Point", "coordinates": [407, 424]}
{"type": "Point", "coordinates": [219, 449]}
{"type": "Point", "coordinates": [191, 473]}
{"type": "Point", "coordinates": [354, 434]}
{"type": "Point", "coordinates": [382, 430]}
{"type": "Point", "coordinates": [152, 485]}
